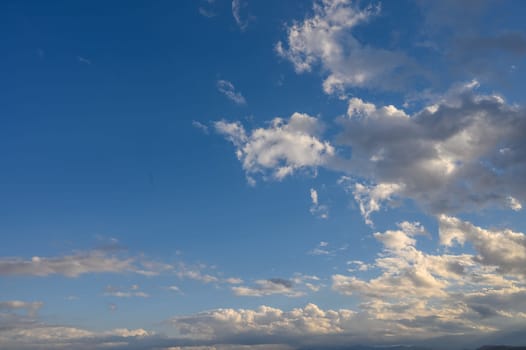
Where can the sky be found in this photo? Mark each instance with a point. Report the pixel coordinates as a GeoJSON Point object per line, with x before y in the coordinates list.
{"type": "Point", "coordinates": [216, 174]}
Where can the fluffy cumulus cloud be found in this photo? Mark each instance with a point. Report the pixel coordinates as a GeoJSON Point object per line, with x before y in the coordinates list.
{"type": "Point", "coordinates": [281, 149]}
{"type": "Point", "coordinates": [326, 39]}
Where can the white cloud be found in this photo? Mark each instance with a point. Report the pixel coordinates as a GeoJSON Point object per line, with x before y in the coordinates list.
{"type": "Point", "coordinates": [31, 308]}
{"type": "Point", "coordinates": [263, 323]}
{"type": "Point", "coordinates": [227, 88]}
{"type": "Point", "coordinates": [326, 39]}
{"type": "Point", "coordinates": [317, 209]}
{"type": "Point", "coordinates": [283, 148]}
{"type": "Point", "coordinates": [443, 294]}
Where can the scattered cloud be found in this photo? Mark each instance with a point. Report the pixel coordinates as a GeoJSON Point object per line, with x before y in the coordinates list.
{"type": "Point", "coordinates": [317, 209]}
{"type": "Point", "coordinates": [227, 88]}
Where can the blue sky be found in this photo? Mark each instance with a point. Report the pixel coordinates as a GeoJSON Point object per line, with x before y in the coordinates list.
{"type": "Point", "coordinates": [216, 174]}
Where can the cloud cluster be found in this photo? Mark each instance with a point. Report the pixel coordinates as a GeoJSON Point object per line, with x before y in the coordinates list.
{"type": "Point", "coordinates": [464, 152]}
{"type": "Point", "coordinates": [283, 148]}
{"type": "Point", "coordinates": [445, 293]}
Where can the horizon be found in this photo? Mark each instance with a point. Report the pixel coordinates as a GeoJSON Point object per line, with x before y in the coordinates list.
{"type": "Point", "coordinates": [242, 174]}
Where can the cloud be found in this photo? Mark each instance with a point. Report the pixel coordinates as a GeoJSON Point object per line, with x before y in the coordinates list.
{"type": "Point", "coordinates": [462, 153]}
{"type": "Point", "coordinates": [200, 126]}
{"type": "Point", "coordinates": [31, 308]}
{"type": "Point", "coordinates": [69, 265]}
{"type": "Point", "coordinates": [237, 6]}
{"type": "Point", "coordinates": [299, 285]}
{"type": "Point", "coordinates": [47, 337]}
{"type": "Point", "coordinates": [265, 324]}
{"type": "Point", "coordinates": [227, 88]}
{"type": "Point", "coordinates": [105, 261]}
{"type": "Point", "coordinates": [119, 292]}
{"type": "Point", "coordinates": [317, 209]}
{"type": "Point", "coordinates": [511, 42]}
{"type": "Point", "coordinates": [195, 272]}
{"type": "Point", "coordinates": [442, 294]}
{"type": "Point", "coordinates": [206, 9]}
{"type": "Point", "coordinates": [326, 39]}
{"type": "Point", "coordinates": [371, 197]}
{"type": "Point", "coordinates": [503, 249]}
{"type": "Point", "coordinates": [83, 60]}
{"type": "Point", "coordinates": [281, 149]}
{"type": "Point", "coordinates": [323, 248]}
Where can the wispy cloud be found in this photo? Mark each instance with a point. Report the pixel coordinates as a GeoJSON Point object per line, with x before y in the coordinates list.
{"type": "Point", "coordinates": [227, 88]}
{"type": "Point", "coordinates": [206, 8]}
{"type": "Point", "coordinates": [83, 60]}
{"type": "Point", "coordinates": [200, 126]}
{"type": "Point", "coordinates": [237, 7]}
